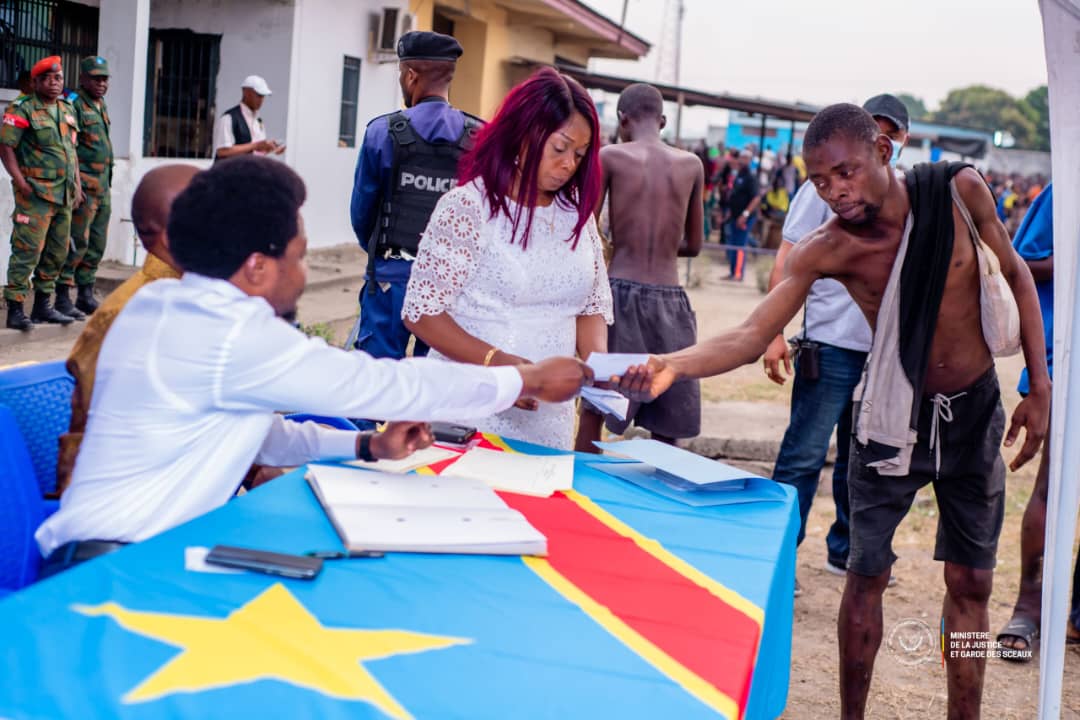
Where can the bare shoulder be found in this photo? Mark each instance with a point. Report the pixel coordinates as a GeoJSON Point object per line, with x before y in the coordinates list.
{"type": "Point", "coordinates": [827, 237]}
{"type": "Point", "coordinates": [614, 153]}
{"type": "Point", "coordinates": [823, 250]}
{"type": "Point", "coordinates": [976, 195]}
{"type": "Point", "coordinates": [684, 155]}
{"type": "Point", "coordinates": [685, 158]}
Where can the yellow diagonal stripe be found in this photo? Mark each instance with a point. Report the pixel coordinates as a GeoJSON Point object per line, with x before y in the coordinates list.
{"type": "Point", "coordinates": [658, 551]}
{"type": "Point", "coordinates": [498, 442]}
{"type": "Point", "coordinates": [679, 673]}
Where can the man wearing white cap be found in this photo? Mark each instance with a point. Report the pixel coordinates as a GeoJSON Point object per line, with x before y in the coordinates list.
{"type": "Point", "coordinates": [240, 130]}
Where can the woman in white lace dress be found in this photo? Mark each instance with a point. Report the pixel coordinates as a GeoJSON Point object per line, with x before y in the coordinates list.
{"type": "Point", "coordinates": [510, 269]}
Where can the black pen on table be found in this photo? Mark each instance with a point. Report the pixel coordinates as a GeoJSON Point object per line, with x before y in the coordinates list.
{"type": "Point", "coordinates": [343, 554]}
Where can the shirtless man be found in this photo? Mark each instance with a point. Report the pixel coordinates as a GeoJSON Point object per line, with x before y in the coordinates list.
{"type": "Point", "coordinates": [657, 215]}
{"type": "Point", "coordinates": [848, 162]}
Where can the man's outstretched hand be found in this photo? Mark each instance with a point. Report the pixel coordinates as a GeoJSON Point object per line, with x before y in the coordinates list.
{"type": "Point", "coordinates": [645, 383]}
{"type": "Point", "coordinates": [1033, 415]}
{"type": "Point", "coordinates": [777, 352]}
{"type": "Point", "coordinates": [401, 439]}
{"type": "Point", "coordinates": [554, 380]}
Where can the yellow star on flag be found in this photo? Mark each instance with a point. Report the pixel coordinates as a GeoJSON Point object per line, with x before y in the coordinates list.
{"type": "Point", "coordinates": [272, 637]}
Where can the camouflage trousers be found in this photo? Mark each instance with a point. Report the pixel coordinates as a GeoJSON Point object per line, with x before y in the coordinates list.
{"type": "Point", "coordinates": [39, 246]}
{"type": "Point", "coordinates": [89, 227]}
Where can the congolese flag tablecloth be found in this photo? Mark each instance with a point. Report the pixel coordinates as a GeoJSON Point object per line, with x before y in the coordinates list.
{"type": "Point", "coordinates": [644, 608]}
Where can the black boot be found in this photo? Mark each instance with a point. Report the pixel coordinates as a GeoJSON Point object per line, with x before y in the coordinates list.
{"type": "Point", "coordinates": [63, 303]}
{"type": "Point", "coordinates": [85, 300]}
{"type": "Point", "coordinates": [16, 318]}
{"type": "Point", "coordinates": [44, 312]}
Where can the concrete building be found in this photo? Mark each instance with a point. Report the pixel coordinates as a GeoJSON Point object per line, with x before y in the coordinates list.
{"type": "Point", "coordinates": [504, 40]}
{"type": "Point", "coordinates": [177, 66]}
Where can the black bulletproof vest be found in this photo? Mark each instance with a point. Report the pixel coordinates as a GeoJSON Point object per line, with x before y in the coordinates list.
{"type": "Point", "coordinates": [422, 171]}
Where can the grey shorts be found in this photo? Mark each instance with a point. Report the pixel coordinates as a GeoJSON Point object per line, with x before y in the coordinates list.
{"type": "Point", "coordinates": [970, 486]}
{"type": "Point", "coordinates": [656, 319]}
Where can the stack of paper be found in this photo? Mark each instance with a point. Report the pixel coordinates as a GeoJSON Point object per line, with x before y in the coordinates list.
{"type": "Point", "coordinates": [682, 475]}
{"type": "Point", "coordinates": [420, 513]}
{"type": "Point", "coordinates": [607, 402]}
{"type": "Point", "coordinates": [539, 475]}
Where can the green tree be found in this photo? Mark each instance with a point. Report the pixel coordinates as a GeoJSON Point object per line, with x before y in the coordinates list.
{"type": "Point", "coordinates": [915, 106]}
{"type": "Point", "coordinates": [1037, 106]}
{"type": "Point", "coordinates": [986, 108]}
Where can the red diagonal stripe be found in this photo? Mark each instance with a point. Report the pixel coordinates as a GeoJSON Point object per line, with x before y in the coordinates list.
{"type": "Point", "coordinates": [697, 629]}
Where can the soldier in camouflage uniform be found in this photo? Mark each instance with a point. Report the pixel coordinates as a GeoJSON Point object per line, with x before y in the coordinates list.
{"type": "Point", "coordinates": [90, 222]}
{"type": "Point", "coordinates": [37, 148]}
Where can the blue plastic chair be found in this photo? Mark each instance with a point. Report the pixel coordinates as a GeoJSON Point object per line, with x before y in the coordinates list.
{"type": "Point", "coordinates": [40, 398]}
{"type": "Point", "coordinates": [21, 509]}
{"type": "Point", "coordinates": [338, 423]}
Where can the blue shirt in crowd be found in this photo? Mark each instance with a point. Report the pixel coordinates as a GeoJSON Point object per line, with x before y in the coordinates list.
{"type": "Point", "coordinates": [1035, 241]}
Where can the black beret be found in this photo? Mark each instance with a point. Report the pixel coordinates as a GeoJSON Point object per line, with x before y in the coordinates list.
{"type": "Point", "coordinates": [421, 45]}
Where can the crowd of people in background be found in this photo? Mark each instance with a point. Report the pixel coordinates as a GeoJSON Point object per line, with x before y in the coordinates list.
{"type": "Point", "coordinates": [780, 174]}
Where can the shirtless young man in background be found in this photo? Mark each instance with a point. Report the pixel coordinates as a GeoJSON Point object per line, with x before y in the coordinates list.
{"type": "Point", "coordinates": [657, 215]}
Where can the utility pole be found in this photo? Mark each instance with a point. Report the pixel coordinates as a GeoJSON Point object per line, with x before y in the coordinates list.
{"type": "Point", "coordinates": [622, 20]}
{"type": "Point", "coordinates": [669, 54]}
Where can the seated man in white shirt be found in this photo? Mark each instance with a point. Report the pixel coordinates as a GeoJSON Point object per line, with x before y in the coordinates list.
{"type": "Point", "coordinates": [173, 428]}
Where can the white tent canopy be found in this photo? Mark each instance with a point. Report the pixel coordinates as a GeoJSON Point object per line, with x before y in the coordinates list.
{"type": "Point", "coordinates": [1061, 32]}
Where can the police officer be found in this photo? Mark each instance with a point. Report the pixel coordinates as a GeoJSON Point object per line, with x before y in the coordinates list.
{"type": "Point", "coordinates": [37, 147]}
{"type": "Point", "coordinates": [90, 222]}
{"type": "Point", "coordinates": [408, 159]}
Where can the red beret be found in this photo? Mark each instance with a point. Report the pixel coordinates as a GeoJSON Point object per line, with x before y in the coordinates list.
{"type": "Point", "coordinates": [49, 64]}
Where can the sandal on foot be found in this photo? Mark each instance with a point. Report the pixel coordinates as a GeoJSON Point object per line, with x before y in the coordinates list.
{"type": "Point", "coordinates": [1018, 628]}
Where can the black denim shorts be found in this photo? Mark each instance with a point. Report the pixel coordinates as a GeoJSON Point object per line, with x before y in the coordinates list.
{"type": "Point", "coordinates": [969, 485]}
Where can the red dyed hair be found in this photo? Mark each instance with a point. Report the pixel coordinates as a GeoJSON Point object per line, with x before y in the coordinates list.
{"type": "Point", "coordinates": [527, 117]}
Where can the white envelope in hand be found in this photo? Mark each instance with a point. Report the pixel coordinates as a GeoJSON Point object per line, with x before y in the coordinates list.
{"type": "Point", "coordinates": [605, 365]}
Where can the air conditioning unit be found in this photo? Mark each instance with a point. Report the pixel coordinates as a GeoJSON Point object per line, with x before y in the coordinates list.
{"type": "Point", "coordinates": [387, 28]}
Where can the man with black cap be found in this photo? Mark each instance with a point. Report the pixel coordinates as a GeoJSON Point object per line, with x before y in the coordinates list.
{"type": "Point", "coordinates": [408, 159]}
{"type": "Point", "coordinates": [830, 353]}
{"type": "Point", "coordinates": [90, 222]}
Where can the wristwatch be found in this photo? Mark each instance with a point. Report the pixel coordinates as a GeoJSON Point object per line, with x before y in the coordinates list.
{"type": "Point", "coordinates": [364, 451]}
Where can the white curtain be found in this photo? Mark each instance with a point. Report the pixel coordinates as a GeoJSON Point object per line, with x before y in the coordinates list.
{"type": "Point", "coordinates": [1061, 32]}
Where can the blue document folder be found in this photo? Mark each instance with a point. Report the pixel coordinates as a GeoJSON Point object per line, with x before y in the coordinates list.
{"type": "Point", "coordinates": [684, 476]}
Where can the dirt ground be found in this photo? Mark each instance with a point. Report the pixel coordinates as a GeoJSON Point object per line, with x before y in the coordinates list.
{"type": "Point", "coordinates": [899, 691]}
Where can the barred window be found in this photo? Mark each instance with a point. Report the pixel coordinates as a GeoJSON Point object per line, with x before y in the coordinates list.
{"type": "Point", "coordinates": [350, 91]}
{"type": "Point", "coordinates": [34, 29]}
{"type": "Point", "coordinates": [181, 79]}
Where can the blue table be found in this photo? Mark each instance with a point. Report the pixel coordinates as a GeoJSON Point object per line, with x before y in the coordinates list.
{"type": "Point", "coordinates": [135, 635]}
